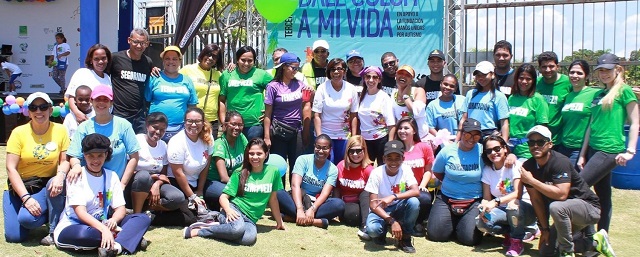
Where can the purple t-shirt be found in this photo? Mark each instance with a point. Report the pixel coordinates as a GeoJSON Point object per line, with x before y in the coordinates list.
{"type": "Point", "coordinates": [286, 102]}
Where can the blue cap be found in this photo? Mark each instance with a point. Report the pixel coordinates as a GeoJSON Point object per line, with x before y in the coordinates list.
{"type": "Point", "coordinates": [353, 53]}
{"type": "Point", "coordinates": [289, 58]}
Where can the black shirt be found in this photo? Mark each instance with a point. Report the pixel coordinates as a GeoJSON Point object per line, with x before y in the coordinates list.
{"type": "Point", "coordinates": [353, 79]}
{"type": "Point", "coordinates": [128, 79]}
{"type": "Point", "coordinates": [559, 170]}
{"type": "Point", "coordinates": [388, 83]}
{"type": "Point", "coordinates": [505, 82]}
{"type": "Point", "coordinates": [319, 73]}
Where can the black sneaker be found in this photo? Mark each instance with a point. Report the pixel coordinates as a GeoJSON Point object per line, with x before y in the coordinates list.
{"type": "Point", "coordinates": [144, 243]}
{"type": "Point", "coordinates": [47, 240]}
{"type": "Point", "coordinates": [104, 252]}
{"type": "Point", "coordinates": [406, 246]}
{"type": "Point", "coordinates": [381, 240]}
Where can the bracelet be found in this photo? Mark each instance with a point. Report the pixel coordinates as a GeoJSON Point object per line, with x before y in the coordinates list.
{"type": "Point", "coordinates": [193, 197]}
{"type": "Point", "coordinates": [23, 202]}
{"type": "Point", "coordinates": [543, 228]}
{"type": "Point", "coordinates": [77, 163]}
{"type": "Point", "coordinates": [24, 195]}
{"type": "Point", "coordinates": [63, 173]}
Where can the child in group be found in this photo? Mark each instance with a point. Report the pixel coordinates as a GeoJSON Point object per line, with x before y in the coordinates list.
{"type": "Point", "coordinates": [244, 200]}
{"type": "Point", "coordinates": [85, 223]}
{"type": "Point", "coordinates": [13, 72]}
{"type": "Point", "coordinates": [83, 102]}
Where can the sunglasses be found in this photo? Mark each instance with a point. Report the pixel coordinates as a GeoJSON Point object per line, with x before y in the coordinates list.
{"type": "Point", "coordinates": [368, 77]}
{"type": "Point", "coordinates": [389, 64]}
{"type": "Point", "coordinates": [493, 149]}
{"type": "Point", "coordinates": [468, 136]}
{"type": "Point", "coordinates": [42, 107]}
{"type": "Point", "coordinates": [355, 151]}
{"type": "Point", "coordinates": [539, 143]}
{"type": "Point", "coordinates": [294, 68]}
{"type": "Point", "coordinates": [319, 51]}
{"type": "Point", "coordinates": [336, 69]}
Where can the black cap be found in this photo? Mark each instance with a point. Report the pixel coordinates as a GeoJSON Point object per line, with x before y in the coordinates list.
{"type": "Point", "coordinates": [471, 125]}
{"type": "Point", "coordinates": [436, 53]}
{"type": "Point", "coordinates": [607, 61]}
{"type": "Point", "coordinates": [95, 143]}
{"type": "Point", "coordinates": [394, 146]}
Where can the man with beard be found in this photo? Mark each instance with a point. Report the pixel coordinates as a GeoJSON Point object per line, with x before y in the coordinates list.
{"type": "Point", "coordinates": [431, 83]}
{"type": "Point", "coordinates": [390, 65]}
{"type": "Point", "coordinates": [502, 55]}
{"type": "Point", "coordinates": [554, 87]}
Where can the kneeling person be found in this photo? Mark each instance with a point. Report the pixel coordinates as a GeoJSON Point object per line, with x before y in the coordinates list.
{"type": "Point", "coordinates": [393, 192]}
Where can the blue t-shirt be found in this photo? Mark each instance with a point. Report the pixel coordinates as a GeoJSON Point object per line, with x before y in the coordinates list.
{"type": "Point", "coordinates": [486, 108]}
{"type": "Point", "coordinates": [171, 96]}
{"type": "Point", "coordinates": [120, 133]}
{"type": "Point", "coordinates": [313, 179]}
{"type": "Point", "coordinates": [442, 115]}
{"type": "Point", "coordinates": [462, 171]}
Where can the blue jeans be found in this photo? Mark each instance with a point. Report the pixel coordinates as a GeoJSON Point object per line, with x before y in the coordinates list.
{"type": "Point", "coordinates": [81, 236]}
{"type": "Point", "coordinates": [331, 208]}
{"type": "Point", "coordinates": [504, 220]}
{"type": "Point", "coordinates": [17, 219]}
{"type": "Point", "coordinates": [443, 224]}
{"type": "Point", "coordinates": [405, 211]}
{"type": "Point", "coordinates": [338, 146]}
{"type": "Point", "coordinates": [572, 153]}
{"type": "Point", "coordinates": [242, 230]}
{"type": "Point", "coordinates": [212, 192]}
{"type": "Point", "coordinates": [425, 206]}
{"type": "Point", "coordinates": [597, 173]}
{"type": "Point", "coordinates": [253, 131]}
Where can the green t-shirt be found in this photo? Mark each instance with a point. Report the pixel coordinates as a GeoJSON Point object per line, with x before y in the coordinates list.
{"type": "Point", "coordinates": [524, 113]}
{"type": "Point", "coordinates": [233, 156]}
{"type": "Point", "coordinates": [576, 113]}
{"type": "Point", "coordinates": [244, 93]}
{"type": "Point", "coordinates": [257, 191]}
{"type": "Point", "coordinates": [555, 95]}
{"type": "Point", "coordinates": [607, 128]}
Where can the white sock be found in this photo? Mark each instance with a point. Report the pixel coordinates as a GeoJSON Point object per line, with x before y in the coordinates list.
{"type": "Point", "coordinates": [117, 247]}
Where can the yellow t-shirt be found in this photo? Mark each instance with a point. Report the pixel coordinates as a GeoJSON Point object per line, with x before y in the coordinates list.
{"type": "Point", "coordinates": [39, 155]}
{"type": "Point", "coordinates": [200, 80]}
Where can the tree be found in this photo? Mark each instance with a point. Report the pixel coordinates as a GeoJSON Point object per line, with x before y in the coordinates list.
{"type": "Point", "coordinates": [228, 18]}
{"type": "Point", "coordinates": [633, 71]}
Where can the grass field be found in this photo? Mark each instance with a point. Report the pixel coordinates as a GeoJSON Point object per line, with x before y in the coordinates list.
{"type": "Point", "coordinates": [338, 240]}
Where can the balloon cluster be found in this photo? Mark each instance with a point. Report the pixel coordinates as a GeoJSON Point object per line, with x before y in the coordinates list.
{"type": "Point", "coordinates": [13, 105]}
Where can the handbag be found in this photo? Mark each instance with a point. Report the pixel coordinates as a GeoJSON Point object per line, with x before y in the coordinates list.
{"type": "Point", "coordinates": [282, 130]}
{"type": "Point", "coordinates": [32, 184]}
{"type": "Point", "coordinates": [460, 206]}
{"type": "Point", "coordinates": [60, 65]}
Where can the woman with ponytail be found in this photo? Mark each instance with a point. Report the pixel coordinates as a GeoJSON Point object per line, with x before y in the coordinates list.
{"type": "Point", "coordinates": [244, 200]}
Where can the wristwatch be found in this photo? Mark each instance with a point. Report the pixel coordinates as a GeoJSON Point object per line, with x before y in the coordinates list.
{"type": "Point", "coordinates": [631, 151]}
{"type": "Point", "coordinates": [390, 220]}
{"type": "Point", "coordinates": [405, 97]}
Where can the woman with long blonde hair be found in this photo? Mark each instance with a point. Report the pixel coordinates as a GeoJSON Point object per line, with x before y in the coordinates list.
{"type": "Point", "coordinates": [604, 145]}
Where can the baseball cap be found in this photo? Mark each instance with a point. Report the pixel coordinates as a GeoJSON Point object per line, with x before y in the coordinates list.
{"type": "Point", "coordinates": [32, 97]}
{"type": "Point", "coordinates": [320, 43]}
{"type": "Point", "coordinates": [289, 58]}
{"type": "Point", "coordinates": [171, 48]}
{"type": "Point", "coordinates": [353, 53]}
{"type": "Point", "coordinates": [484, 66]}
{"type": "Point", "coordinates": [408, 69]}
{"type": "Point", "coordinates": [436, 53]}
{"type": "Point", "coordinates": [95, 143]}
{"type": "Point", "coordinates": [607, 61]}
{"type": "Point", "coordinates": [394, 146]}
{"type": "Point", "coordinates": [542, 130]}
{"type": "Point", "coordinates": [471, 125]}
{"type": "Point", "coordinates": [102, 90]}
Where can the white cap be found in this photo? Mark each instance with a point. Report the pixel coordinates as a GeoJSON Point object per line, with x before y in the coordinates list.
{"type": "Point", "coordinates": [542, 130]}
{"type": "Point", "coordinates": [484, 66]}
{"type": "Point", "coordinates": [36, 95]}
{"type": "Point", "coordinates": [320, 43]}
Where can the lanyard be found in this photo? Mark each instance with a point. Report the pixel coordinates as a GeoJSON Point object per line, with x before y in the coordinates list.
{"type": "Point", "coordinates": [105, 198]}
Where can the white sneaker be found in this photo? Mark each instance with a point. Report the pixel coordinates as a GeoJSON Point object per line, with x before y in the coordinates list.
{"type": "Point", "coordinates": [363, 235]}
{"type": "Point", "coordinates": [12, 93]}
{"type": "Point", "coordinates": [6, 92]}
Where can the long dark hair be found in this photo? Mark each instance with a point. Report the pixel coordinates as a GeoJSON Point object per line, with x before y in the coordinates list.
{"type": "Point", "coordinates": [366, 70]}
{"type": "Point", "coordinates": [412, 122]}
{"type": "Point", "coordinates": [500, 140]}
{"type": "Point", "coordinates": [61, 35]}
{"type": "Point", "coordinates": [88, 61]}
{"type": "Point", "coordinates": [525, 68]}
{"type": "Point", "coordinates": [246, 164]}
{"type": "Point", "coordinates": [244, 50]}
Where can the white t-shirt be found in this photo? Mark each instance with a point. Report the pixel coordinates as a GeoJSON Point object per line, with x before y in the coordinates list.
{"type": "Point", "coordinates": [334, 108]}
{"type": "Point", "coordinates": [14, 69]}
{"type": "Point", "coordinates": [88, 191]}
{"type": "Point", "coordinates": [501, 181]}
{"type": "Point", "coordinates": [151, 159]}
{"type": "Point", "coordinates": [192, 155]}
{"type": "Point", "coordinates": [384, 185]}
{"type": "Point", "coordinates": [419, 112]}
{"type": "Point", "coordinates": [87, 77]}
{"type": "Point", "coordinates": [375, 114]}
{"type": "Point", "coordinates": [59, 49]}
{"type": "Point", "coordinates": [71, 123]}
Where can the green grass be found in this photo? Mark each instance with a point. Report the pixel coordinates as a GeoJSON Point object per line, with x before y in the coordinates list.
{"type": "Point", "coordinates": [338, 240]}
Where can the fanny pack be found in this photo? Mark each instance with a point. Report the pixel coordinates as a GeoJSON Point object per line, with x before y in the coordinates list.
{"type": "Point", "coordinates": [282, 130]}
{"type": "Point", "coordinates": [351, 198]}
{"type": "Point", "coordinates": [460, 206]}
{"type": "Point", "coordinates": [32, 184]}
{"type": "Point", "coordinates": [61, 65]}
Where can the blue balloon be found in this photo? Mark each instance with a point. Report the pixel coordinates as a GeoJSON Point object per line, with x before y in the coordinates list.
{"type": "Point", "coordinates": [279, 162]}
{"type": "Point", "coordinates": [15, 108]}
{"type": "Point", "coordinates": [6, 110]}
{"type": "Point", "coordinates": [63, 112]}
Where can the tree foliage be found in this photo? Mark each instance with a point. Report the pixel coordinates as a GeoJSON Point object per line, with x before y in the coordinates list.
{"type": "Point", "coordinates": [632, 72]}
{"type": "Point", "coordinates": [228, 18]}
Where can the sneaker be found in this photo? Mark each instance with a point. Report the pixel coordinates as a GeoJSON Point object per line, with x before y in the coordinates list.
{"type": "Point", "coordinates": [405, 245]}
{"type": "Point", "coordinates": [601, 243]}
{"type": "Point", "coordinates": [506, 242]}
{"type": "Point", "coordinates": [325, 223]}
{"type": "Point", "coordinates": [150, 214]}
{"type": "Point", "coordinates": [12, 93]}
{"type": "Point", "coordinates": [202, 224]}
{"type": "Point", "coordinates": [362, 234]}
{"type": "Point", "coordinates": [144, 243]}
{"type": "Point", "coordinates": [47, 240]}
{"type": "Point", "coordinates": [186, 232]}
{"type": "Point", "coordinates": [528, 236]}
{"type": "Point", "coordinates": [567, 254]}
{"type": "Point", "coordinates": [418, 231]}
{"type": "Point", "coordinates": [516, 248]}
{"type": "Point", "coordinates": [381, 240]}
{"type": "Point", "coordinates": [104, 252]}
{"type": "Point", "coordinates": [6, 92]}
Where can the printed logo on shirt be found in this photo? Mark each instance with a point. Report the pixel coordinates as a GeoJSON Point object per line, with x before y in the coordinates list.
{"type": "Point", "coordinates": [417, 163]}
{"type": "Point", "coordinates": [132, 75]}
{"type": "Point", "coordinates": [388, 90]}
{"type": "Point", "coordinates": [40, 152]}
{"type": "Point", "coordinates": [399, 188]}
{"type": "Point", "coordinates": [320, 80]}
{"type": "Point", "coordinates": [174, 90]}
{"type": "Point", "coordinates": [519, 111]}
{"type": "Point", "coordinates": [241, 83]}
{"type": "Point", "coordinates": [290, 97]}
{"type": "Point", "coordinates": [258, 188]}
{"type": "Point", "coordinates": [463, 167]}
{"type": "Point", "coordinates": [350, 183]}
{"type": "Point", "coordinates": [448, 115]}
{"type": "Point", "coordinates": [480, 106]}
{"type": "Point", "coordinates": [234, 161]}
{"type": "Point", "coordinates": [573, 107]}
{"type": "Point", "coordinates": [551, 99]}
{"type": "Point", "coordinates": [505, 186]}
{"type": "Point", "coordinates": [313, 181]}
{"type": "Point", "coordinates": [563, 175]}
{"type": "Point", "coordinates": [432, 95]}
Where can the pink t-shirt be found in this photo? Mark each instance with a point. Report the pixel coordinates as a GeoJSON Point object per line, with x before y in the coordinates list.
{"type": "Point", "coordinates": [418, 157]}
{"type": "Point", "coordinates": [351, 182]}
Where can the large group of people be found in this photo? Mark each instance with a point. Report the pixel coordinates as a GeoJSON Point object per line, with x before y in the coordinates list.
{"type": "Point", "coordinates": [366, 146]}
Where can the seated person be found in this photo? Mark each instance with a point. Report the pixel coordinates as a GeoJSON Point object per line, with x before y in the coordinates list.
{"type": "Point", "coordinates": [313, 179]}
{"type": "Point", "coordinates": [85, 223]}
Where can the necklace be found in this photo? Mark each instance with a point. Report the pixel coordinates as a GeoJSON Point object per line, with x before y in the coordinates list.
{"type": "Point", "coordinates": [395, 177]}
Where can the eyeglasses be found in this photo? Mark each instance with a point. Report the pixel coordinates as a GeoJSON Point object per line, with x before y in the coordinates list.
{"type": "Point", "coordinates": [322, 148]}
{"type": "Point", "coordinates": [368, 77]}
{"type": "Point", "coordinates": [235, 125]}
{"type": "Point", "coordinates": [337, 69]}
{"type": "Point", "coordinates": [191, 122]}
{"type": "Point", "coordinates": [539, 143]}
{"type": "Point", "coordinates": [294, 68]}
{"type": "Point", "coordinates": [320, 51]}
{"type": "Point", "coordinates": [136, 42]}
{"type": "Point", "coordinates": [468, 136]}
{"type": "Point", "coordinates": [493, 149]}
{"type": "Point", "coordinates": [354, 60]}
{"type": "Point", "coordinates": [389, 64]}
{"type": "Point", "coordinates": [355, 151]}
{"type": "Point", "coordinates": [42, 107]}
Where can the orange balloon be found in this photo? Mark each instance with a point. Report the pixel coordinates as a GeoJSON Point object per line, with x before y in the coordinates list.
{"type": "Point", "coordinates": [61, 104]}
{"type": "Point", "coordinates": [20, 101]}
{"type": "Point", "coordinates": [66, 99]}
